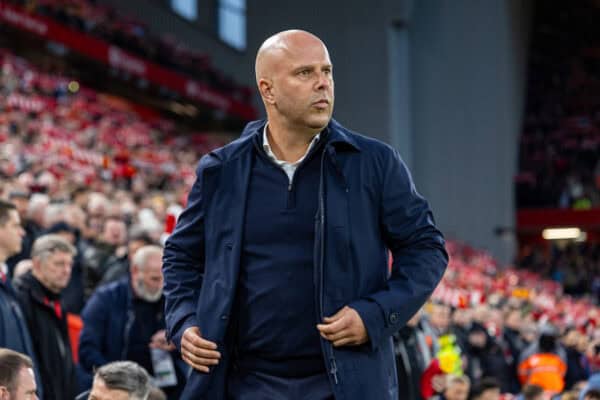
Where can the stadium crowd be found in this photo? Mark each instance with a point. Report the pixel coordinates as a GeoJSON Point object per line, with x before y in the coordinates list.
{"type": "Point", "coordinates": [92, 187]}
{"type": "Point", "coordinates": [559, 163]}
{"type": "Point", "coordinates": [89, 190]}
{"type": "Point", "coordinates": [103, 22]}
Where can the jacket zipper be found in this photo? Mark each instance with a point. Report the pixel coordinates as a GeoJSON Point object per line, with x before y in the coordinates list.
{"type": "Point", "coordinates": [333, 366]}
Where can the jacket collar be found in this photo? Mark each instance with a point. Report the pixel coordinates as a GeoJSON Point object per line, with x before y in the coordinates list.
{"type": "Point", "coordinates": [337, 133]}
{"type": "Point", "coordinates": [339, 137]}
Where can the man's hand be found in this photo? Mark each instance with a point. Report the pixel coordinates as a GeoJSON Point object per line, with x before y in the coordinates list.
{"type": "Point", "coordinates": [159, 341]}
{"type": "Point", "coordinates": [345, 328]}
{"type": "Point", "coordinates": [199, 353]}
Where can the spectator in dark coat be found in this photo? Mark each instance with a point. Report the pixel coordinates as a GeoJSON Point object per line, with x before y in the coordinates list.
{"type": "Point", "coordinates": [72, 295]}
{"type": "Point", "coordinates": [412, 357]}
{"type": "Point", "coordinates": [39, 292]}
{"type": "Point", "coordinates": [124, 319]}
{"type": "Point", "coordinates": [14, 333]}
{"type": "Point", "coordinates": [97, 255]}
{"type": "Point", "coordinates": [577, 370]}
{"type": "Point", "coordinates": [118, 267]}
{"type": "Point", "coordinates": [486, 358]}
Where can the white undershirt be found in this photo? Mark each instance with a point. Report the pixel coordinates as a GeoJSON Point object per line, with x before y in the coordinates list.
{"type": "Point", "coordinates": [287, 167]}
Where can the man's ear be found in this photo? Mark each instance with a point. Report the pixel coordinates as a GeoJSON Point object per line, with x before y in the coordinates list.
{"type": "Point", "coordinates": [265, 87]}
{"type": "Point", "coordinates": [4, 395]}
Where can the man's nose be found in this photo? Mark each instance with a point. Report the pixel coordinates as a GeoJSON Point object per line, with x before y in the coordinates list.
{"type": "Point", "coordinates": [324, 81]}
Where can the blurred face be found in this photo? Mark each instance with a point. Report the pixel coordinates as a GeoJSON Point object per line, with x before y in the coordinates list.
{"type": "Point", "coordinates": [53, 271]}
{"type": "Point", "coordinates": [571, 338]}
{"type": "Point", "coordinates": [148, 281]}
{"type": "Point", "coordinates": [440, 317]}
{"type": "Point", "coordinates": [299, 86]}
{"type": "Point", "coordinates": [457, 391]}
{"type": "Point", "coordinates": [11, 235]}
{"type": "Point", "coordinates": [115, 232]}
{"type": "Point", "coordinates": [101, 392]}
{"type": "Point", "coordinates": [25, 388]}
{"type": "Point", "coordinates": [133, 246]}
{"type": "Point", "coordinates": [513, 319]}
{"type": "Point", "coordinates": [21, 203]}
{"type": "Point", "coordinates": [490, 394]}
{"type": "Point", "coordinates": [477, 339]}
{"type": "Point", "coordinates": [461, 317]}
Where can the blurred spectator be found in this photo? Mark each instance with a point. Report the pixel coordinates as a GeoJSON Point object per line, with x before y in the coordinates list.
{"type": "Point", "coordinates": [592, 385]}
{"type": "Point", "coordinates": [486, 358]}
{"type": "Point", "coordinates": [17, 380]}
{"type": "Point", "coordinates": [125, 320]}
{"type": "Point", "coordinates": [577, 364]}
{"type": "Point", "coordinates": [412, 357]}
{"type": "Point", "coordinates": [532, 392]}
{"type": "Point", "coordinates": [486, 389]}
{"type": "Point", "coordinates": [544, 363]}
{"type": "Point", "coordinates": [39, 293]}
{"type": "Point", "coordinates": [437, 324]}
{"type": "Point", "coordinates": [118, 267]}
{"type": "Point", "coordinates": [592, 395]}
{"type": "Point", "coordinates": [14, 333]}
{"type": "Point", "coordinates": [107, 249]}
{"type": "Point", "coordinates": [156, 394]}
{"type": "Point", "coordinates": [455, 388]}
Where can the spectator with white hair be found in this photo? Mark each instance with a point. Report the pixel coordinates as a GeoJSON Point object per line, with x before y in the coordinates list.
{"type": "Point", "coordinates": [124, 320]}
{"type": "Point", "coordinates": [120, 380]}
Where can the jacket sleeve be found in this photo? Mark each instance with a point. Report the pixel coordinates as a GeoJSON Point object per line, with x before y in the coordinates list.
{"type": "Point", "coordinates": [95, 317]}
{"type": "Point", "coordinates": [418, 250]}
{"type": "Point", "coordinates": [183, 263]}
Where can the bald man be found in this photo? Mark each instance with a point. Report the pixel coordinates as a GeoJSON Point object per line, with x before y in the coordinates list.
{"type": "Point", "coordinates": [276, 276]}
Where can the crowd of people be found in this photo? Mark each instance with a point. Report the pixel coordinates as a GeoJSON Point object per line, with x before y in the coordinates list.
{"type": "Point", "coordinates": [575, 265]}
{"type": "Point", "coordinates": [89, 191]}
{"type": "Point", "coordinates": [501, 331]}
{"type": "Point", "coordinates": [103, 22]}
{"type": "Point", "coordinates": [559, 163]}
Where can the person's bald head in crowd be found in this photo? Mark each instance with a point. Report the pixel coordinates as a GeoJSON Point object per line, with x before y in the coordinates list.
{"type": "Point", "coordinates": [295, 78]}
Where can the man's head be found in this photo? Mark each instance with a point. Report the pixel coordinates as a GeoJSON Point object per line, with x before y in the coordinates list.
{"type": "Point", "coordinates": [120, 380]}
{"type": "Point", "coordinates": [295, 80]}
{"type": "Point", "coordinates": [146, 273]}
{"type": "Point", "coordinates": [137, 239]}
{"type": "Point", "coordinates": [533, 392]}
{"type": "Point", "coordinates": [52, 258]}
{"type": "Point", "coordinates": [20, 199]}
{"type": "Point", "coordinates": [457, 387]}
{"type": "Point", "coordinates": [486, 389]}
{"type": "Point", "coordinates": [17, 380]}
{"type": "Point", "coordinates": [11, 231]}
{"type": "Point", "coordinates": [440, 317]}
{"type": "Point", "coordinates": [593, 394]}
{"type": "Point", "coordinates": [36, 209]}
{"type": "Point", "coordinates": [114, 232]}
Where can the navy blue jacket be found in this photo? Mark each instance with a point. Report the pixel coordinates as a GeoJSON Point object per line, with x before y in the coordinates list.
{"type": "Point", "coordinates": [107, 320]}
{"type": "Point", "coordinates": [367, 205]}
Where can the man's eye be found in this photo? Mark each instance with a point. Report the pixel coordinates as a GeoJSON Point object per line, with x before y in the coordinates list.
{"type": "Point", "coordinates": [304, 72]}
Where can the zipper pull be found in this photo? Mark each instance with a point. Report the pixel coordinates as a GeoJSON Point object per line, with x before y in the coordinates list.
{"type": "Point", "coordinates": [333, 370]}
